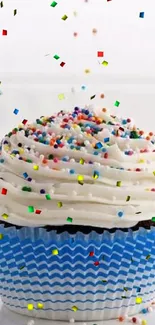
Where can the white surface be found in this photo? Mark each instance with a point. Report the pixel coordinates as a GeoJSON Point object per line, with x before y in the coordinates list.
{"type": "Point", "coordinates": [9, 318]}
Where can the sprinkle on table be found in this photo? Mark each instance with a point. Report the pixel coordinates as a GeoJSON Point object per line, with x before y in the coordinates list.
{"type": "Point", "coordinates": [141, 14]}
{"type": "Point", "coordinates": [62, 64]}
{"type": "Point", "coordinates": [94, 31]}
{"type": "Point", "coordinates": [96, 263]}
{"type": "Point", "coordinates": [87, 71]}
{"type": "Point", "coordinates": [128, 198]}
{"type": "Point", "coordinates": [139, 300]}
{"type": "Point", "coordinates": [48, 197]}
{"type": "Point", "coordinates": [53, 4]}
{"type": "Point", "coordinates": [5, 216]}
{"type": "Point", "coordinates": [69, 219]}
{"type": "Point", "coordinates": [61, 96]}
{"type": "Point", "coordinates": [64, 17]}
{"type": "Point", "coordinates": [91, 254]}
{"type": "Point", "coordinates": [30, 307]}
{"type": "Point", "coordinates": [56, 57]}
{"type": "Point", "coordinates": [30, 209]}
{"type": "Point", "coordinates": [102, 96]}
{"type": "Point", "coordinates": [80, 179]}
{"type": "Point", "coordinates": [25, 175]}
{"type": "Point", "coordinates": [81, 161]}
{"type": "Point", "coordinates": [153, 219]}
{"type": "Point", "coordinates": [120, 214]}
{"type": "Point", "coordinates": [96, 174]}
{"type": "Point", "coordinates": [118, 183]}
{"type": "Point", "coordinates": [4, 191]}
{"type": "Point", "coordinates": [15, 12]}
{"type": "Point", "coordinates": [125, 289]}
{"type": "Point", "coordinates": [59, 204]}
{"type": "Point", "coordinates": [117, 103]}
{"type": "Point", "coordinates": [74, 308]}
{"type": "Point", "coordinates": [55, 251]}
{"type": "Point", "coordinates": [24, 121]}
{"type": "Point", "coordinates": [148, 257]}
{"type": "Point", "coordinates": [105, 63]}
{"type": "Point", "coordinates": [4, 32]}
{"type": "Point", "coordinates": [100, 54]}
{"type": "Point", "coordinates": [37, 211]}
{"type": "Point", "coordinates": [16, 111]}
{"type": "Point", "coordinates": [40, 305]}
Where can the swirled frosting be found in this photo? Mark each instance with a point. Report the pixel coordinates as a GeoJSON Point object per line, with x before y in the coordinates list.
{"type": "Point", "coordinates": [80, 168]}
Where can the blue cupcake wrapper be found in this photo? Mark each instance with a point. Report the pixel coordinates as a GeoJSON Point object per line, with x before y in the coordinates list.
{"type": "Point", "coordinates": [93, 277]}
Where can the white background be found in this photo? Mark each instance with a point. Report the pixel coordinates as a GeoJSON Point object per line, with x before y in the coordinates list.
{"type": "Point", "coordinates": [31, 80]}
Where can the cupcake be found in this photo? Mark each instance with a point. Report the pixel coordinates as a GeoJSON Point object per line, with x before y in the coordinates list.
{"type": "Point", "coordinates": [77, 213]}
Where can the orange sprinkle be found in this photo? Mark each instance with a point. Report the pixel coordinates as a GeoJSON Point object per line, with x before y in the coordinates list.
{"type": "Point", "coordinates": [44, 161]}
{"type": "Point", "coordinates": [94, 31]}
{"type": "Point", "coordinates": [102, 96]}
{"type": "Point", "coordinates": [151, 134]}
{"type": "Point", "coordinates": [52, 141]}
{"type": "Point", "coordinates": [141, 132]}
{"type": "Point", "coordinates": [104, 110]}
{"type": "Point", "coordinates": [121, 319]}
{"type": "Point", "coordinates": [147, 138]}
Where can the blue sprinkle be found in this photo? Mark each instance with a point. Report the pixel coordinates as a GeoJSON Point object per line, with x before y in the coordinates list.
{"type": "Point", "coordinates": [106, 140]}
{"type": "Point", "coordinates": [58, 141]}
{"type": "Point", "coordinates": [83, 87]}
{"type": "Point", "coordinates": [2, 161]}
{"type": "Point", "coordinates": [72, 146]}
{"type": "Point", "coordinates": [95, 153]}
{"type": "Point", "coordinates": [96, 173]}
{"type": "Point", "coordinates": [44, 134]}
{"type": "Point", "coordinates": [141, 14]}
{"type": "Point", "coordinates": [70, 140]}
{"type": "Point", "coordinates": [104, 149]}
{"type": "Point", "coordinates": [144, 311]}
{"type": "Point", "coordinates": [16, 111]}
{"type": "Point", "coordinates": [124, 121]}
{"type": "Point", "coordinates": [64, 159]}
{"type": "Point", "coordinates": [72, 171]}
{"type": "Point", "coordinates": [120, 214]}
{"type": "Point", "coordinates": [25, 175]}
{"type": "Point", "coordinates": [98, 145]}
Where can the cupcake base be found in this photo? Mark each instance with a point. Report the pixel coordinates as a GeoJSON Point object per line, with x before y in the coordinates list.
{"type": "Point", "coordinates": [85, 277]}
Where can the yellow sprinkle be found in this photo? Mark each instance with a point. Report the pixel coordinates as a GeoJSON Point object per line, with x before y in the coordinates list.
{"type": "Point", "coordinates": [1, 236]}
{"type": "Point", "coordinates": [40, 306]}
{"type": "Point", "coordinates": [21, 150]}
{"type": "Point", "coordinates": [61, 96]}
{"type": "Point", "coordinates": [139, 300]}
{"type": "Point", "coordinates": [6, 148]}
{"type": "Point", "coordinates": [55, 252]}
{"type": "Point", "coordinates": [147, 189]}
{"type": "Point", "coordinates": [82, 161]}
{"type": "Point", "coordinates": [154, 172]}
{"type": "Point", "coordinates": [80, 179]}
{"type": "Point", "coordinates": [144, 322]}
{"type": "Point", "coordinates": [30, 306]}
{"type": "Point", "coordinates": [35, 167]}
{"type": "Point", "coordinates": [12, 155]}
{"type": "Point", "coordinates": [74, 308]}
{"type": "Point", "coordinates": [87, 71]}
{"type": "Point", "coordinates": [74, 126]}
{"type": "Point", "coordinates": [59, 204]}
{"type": "Point", "coordinates": [118, 183]}
{"type": "Point", "coordinates": [141, 161]}
{"type": "Point", "coordinates": [5, 216]}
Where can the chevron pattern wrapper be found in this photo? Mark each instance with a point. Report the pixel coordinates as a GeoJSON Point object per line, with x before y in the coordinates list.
{"type": "Point", "coordinates": [85, 277]}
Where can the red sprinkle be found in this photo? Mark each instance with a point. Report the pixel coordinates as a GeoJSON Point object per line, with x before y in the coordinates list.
{"type": "Point", "coordinates": [134, 319]}
{"type": "Point", "coordinates": [96, 263]}
{"type": "Point", "coordinates": [4, 191]}
{"type": "Point", "coordinates": [138, 169]}
{"type": "Point", "coordinates": [106, 155]}
{"type": "Point", "coordinates": [38, 211]}
{"type": "Point", "coordinates": [91, 254]}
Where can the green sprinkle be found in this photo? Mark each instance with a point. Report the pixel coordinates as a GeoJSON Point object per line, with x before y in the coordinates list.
{"type": "Point", "coordinates": [56, 56]}
{"type": "Point", "coordinates": [128, 198]}
{"type": "Point", "coordinates": [15, 12]}
{"type": "Point", "coordinates": [1, 236]}
{"type": "Point", "coordinates": [30, 208]}
{"type": "Point", "coordinates": [125, 289]}
{"type": "Point", "coordinates": [117, 103]}
{"type": "Point", "coordinates": [105, 63]}
{"type": "Point", "coordinates": [92, 97]}
{"type": "Point", "coordinates": [148, 257]}
{"type": "Point", "coordinates": [153, 219]}
{"type": "Point", "coordinates": [118, 183]}
{"type": "Point", "coordinates": [64, 17]}
{"type": "Point", "coordinates": [53, 4]}
{"type": "Point", "coordinates": [124, 297]}
{"type": "Point", "coordinates": [69, 219]}
{"type": "Point", "coordinates": [21, 267]}
{"type": "Point", "coordinates": [29, 160]}
{"type": "Point", "coordinates": [48, 197]}
{"type": "Point", "coordinates": [50, 157]}
{"type": "Point", "coordinates": [26, 189]}
{"type": "Point", "coordinates": [104, 281]}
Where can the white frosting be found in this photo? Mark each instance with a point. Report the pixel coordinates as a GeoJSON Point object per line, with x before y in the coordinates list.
{"type": "Point", "coordinates": [99, 201]}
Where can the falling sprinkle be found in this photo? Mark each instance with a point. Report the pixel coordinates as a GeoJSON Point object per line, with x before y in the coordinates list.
{"type": "Point", "coordinates": [61, 96]}
{"type": "Point", "coordinates": [30, 307]}
{"type": "Point", "coordinates": [117, 103]}
{"type": "Point", "coordinates": [1, 236]}
{"type": "Point", "coordinates": [48, 197]}
{"type": "Point", "coordinates": [139, 300]}
{"type": "Point", "coordinates": [5, 216]}
{"type": "Point", "coordinates": [74, 308]}
{"type": "Point", "coordinates": [40, 305]}
{"type": "Point", "coordinates": [15, 12]}
{"type": "Point", "coordinates": [87, 71]}
{"type": "Point", "coordinates": [138, 289]}
{"type": "Point", "coordinates": [118, 183]}
{"type": "Point", "coordinates": [30, 209]}
{"type": "Point", "coordinates": [94, 30]}
{"type": "Point", "coordinates": [55, 252]}
{"type": "Point", "coordinates": [148, 257]}
{"type": "Point", "coordinates": [69, 219]}
{"type": "Point", "coordinates": [4, 32]}
{"type": "Point", "coordinates": [141, 14]}
{"type": "Point", "coordinates": [1, 4]}
{"type": "Point", "coordinates": [4, 191]}
{"type": "Point", "coordinates": [64, 17]}
{"type": "Point", "coordinates": [35, 167]}
{"type": "Point", "coordinates": [128, 198]}
{"type": "Point", "coordinates": [92, 97]}
{"type": "Point", "coordinates": [56, 57]}
{"type": "Point", "coordinates": [105, 63]}
{"type": "Point", "coordinates": [59, 204]}
{"type": "Point", "coordinates": [62, 64]}
{"type": "Point", "coordinates": [53, 4]}
{"type": "Point", "coordinates": [16, 111]}
{"type": "Point", "coordinates": [100, 54]}
{"type": "Point", "coordinates": [80, 179]}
